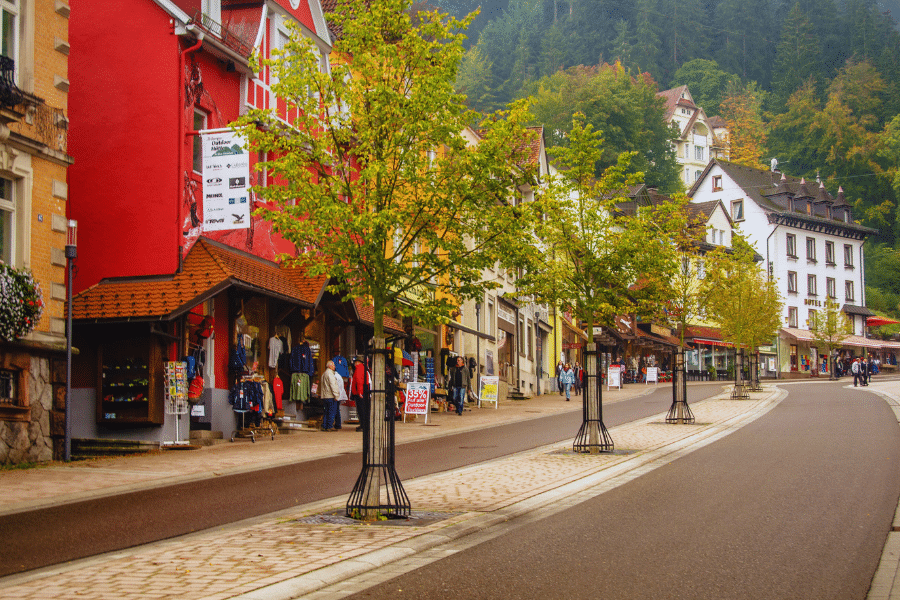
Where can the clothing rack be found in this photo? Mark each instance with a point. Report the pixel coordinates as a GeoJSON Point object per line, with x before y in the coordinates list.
{"type": "Point", "coordinates": [267, 426]}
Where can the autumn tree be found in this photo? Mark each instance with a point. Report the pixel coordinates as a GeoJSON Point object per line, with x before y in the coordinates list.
{"type": "Point", "coordinates": [378, 183]}
{"type": "Point", "coordinates": [742, 110]}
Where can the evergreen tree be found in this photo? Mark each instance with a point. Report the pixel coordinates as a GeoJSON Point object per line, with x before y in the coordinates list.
{"type": "Point", "coordinates": [622, 48]}
{"type": "Point", "coordinates": [684, 35]}
{"type": "Point", "coordinates": [648, 36]}
{"type": "Point", "coordinates": [797, 58]}
{"type": "Point", "coordinates": [475, 81]}
{"type": "Point", "coordinates": [745, 42]}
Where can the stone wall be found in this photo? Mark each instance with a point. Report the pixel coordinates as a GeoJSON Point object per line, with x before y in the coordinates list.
{"type": "Point", "coordinates": [37, 434]}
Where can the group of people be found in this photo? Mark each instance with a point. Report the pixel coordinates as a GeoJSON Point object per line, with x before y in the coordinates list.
{"type": "Point", "coordinates": [569, 378]}
{"type": "Point", "coordinates": [862, 370]}
{"type": "Point", "coordinates": [332, 391]}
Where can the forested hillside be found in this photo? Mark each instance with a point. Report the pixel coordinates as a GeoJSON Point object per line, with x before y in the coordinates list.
{"type": "Point", "coordinates": [813, 83]}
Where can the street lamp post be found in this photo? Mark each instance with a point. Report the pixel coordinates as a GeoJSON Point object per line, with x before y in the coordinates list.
{"type": "Point", "coordinates": [71, 253]}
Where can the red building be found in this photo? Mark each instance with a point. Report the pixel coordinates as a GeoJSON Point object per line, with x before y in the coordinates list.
{"type": "Point", "coordinates": [147, 75]}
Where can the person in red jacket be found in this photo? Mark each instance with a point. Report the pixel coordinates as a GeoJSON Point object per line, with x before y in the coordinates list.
{"type": "Point", "coordinates": [359, 379]}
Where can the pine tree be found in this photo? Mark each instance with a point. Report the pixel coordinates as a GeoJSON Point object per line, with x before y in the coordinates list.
{"type": "Point", "coordinates": [797, 58]}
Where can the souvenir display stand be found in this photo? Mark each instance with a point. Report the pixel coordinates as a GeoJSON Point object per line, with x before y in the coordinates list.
{"type": "Point", "coordinates": [176, 395]}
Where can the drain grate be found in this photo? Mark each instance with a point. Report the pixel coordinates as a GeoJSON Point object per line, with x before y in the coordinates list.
{"type": "Point", "coordinates": [570, 452]}
{"type": "Point", "coordinates": [417, 518]}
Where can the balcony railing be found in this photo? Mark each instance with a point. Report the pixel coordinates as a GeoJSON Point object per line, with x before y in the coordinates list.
{"type": "Point", "coordinates": [230, 38]}
{"type": "Point", "coordinates": [10, 94]}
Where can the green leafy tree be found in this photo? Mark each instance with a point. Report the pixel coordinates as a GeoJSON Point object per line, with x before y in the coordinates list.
{"type": "Point", "coordinates": [474, 81]}
{"type": "Point", "coordinates": [742, 299]}
{"type": "Point", "coordinates": [707, 82]}
{"type": "Point", "coordinates": [623, 107]}
{"type": "Point", "coordinates": [377, 183]}
{"type": "Point", "coordinates": [829, 327]}
{"type": "Point", "coordinates": [602, 259]}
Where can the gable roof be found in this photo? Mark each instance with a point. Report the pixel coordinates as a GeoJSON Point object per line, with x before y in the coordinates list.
{"type": "Point", "coordinates": [209, 268]}
{"type": "Point", "coordinates": [673, 99]}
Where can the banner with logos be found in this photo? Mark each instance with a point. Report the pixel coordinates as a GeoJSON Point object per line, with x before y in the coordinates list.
{"type": "Point", "coordinates": [226, 181]}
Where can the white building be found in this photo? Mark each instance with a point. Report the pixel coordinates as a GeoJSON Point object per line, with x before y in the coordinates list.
{"type": "Point", "coordinates": [810, 245]}
{"type": "Point", "coordinates": [700, 138]}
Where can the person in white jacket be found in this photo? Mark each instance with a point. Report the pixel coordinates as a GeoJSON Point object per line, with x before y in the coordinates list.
{"type": "Point", "coordinates": [330, 392]}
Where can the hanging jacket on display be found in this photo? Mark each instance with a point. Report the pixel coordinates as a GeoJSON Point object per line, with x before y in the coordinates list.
{"type": "Point", "coordinates": [340, 366]}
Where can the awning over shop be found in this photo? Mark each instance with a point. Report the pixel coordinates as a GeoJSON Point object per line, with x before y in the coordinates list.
{"type": "Point", "coordinates": [574, 329]}
{"type": "Point", "coordinates": [852, 309]}
{"type": "Point", "coordinates": [855, 341]}
{"type": "Point", "coordinates": [462, 327]}
{"type": "Point", "coordinates": [209, 268]}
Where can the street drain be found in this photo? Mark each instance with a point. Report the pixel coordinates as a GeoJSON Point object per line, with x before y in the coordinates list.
{"type": "Point", "coordinates": [570, 452]}
{"type": "Point", "coordinates": [417, 518]}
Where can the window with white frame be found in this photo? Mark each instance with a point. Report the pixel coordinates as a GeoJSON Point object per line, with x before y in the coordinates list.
{"type": "Point", "coordinates": [791, 241]}
{"type": "Point", "coordinates": [199, 125]}
{"type": "Point", "coordinates": [717, 183]}
{"type": "Point", "coordinates": [212, 9]}
{"type": "Point", "coordinates": [848, 256]}
{"type": "Point", "coordinates": [9, 29]}
{"type": "Point", "coordinates": [830, 287]}
{"type": "Point", "coordinates": [8, 217]}
{"type": "Point", "coordinates": [848, 291]}
{"type": "Point", "coordinates": [699, 152]}
{"type": "Point", "coordinates": [792, 316]}
{"type": "Point", "coordinates": [792, 282]}
{"type": "Point", "coordinates": [737, 210]}
{"type": "Point", "coordinates": [829, 253]}
{"type": "Point", "coordinates": [697, 174]}
{"type": "Point", "coordinates": [811, 285]}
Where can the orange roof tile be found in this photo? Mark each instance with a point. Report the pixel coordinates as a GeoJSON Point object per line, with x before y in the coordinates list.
{"type": "Point", "coordinates": [209, 268]}
{"type": "Point", "coordinates": [366, 313]}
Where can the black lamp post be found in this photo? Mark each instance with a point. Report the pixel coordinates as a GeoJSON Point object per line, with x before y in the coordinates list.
{"type": "Point", "coordinates": [71, 253]}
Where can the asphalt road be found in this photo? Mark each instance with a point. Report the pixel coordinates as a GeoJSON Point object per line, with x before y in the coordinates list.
{"type": "Point", "coordinates": [54, 535]}
{"type": "Point", "coordinates": [795, 505]}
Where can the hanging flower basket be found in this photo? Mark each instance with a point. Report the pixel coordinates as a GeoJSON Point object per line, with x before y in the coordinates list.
{"type": "Point", "coordinates": [21, 303]}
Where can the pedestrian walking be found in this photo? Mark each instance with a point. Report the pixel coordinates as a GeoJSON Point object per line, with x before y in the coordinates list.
{"type": "Point", "coordinates": [855, 368]}
{"type": "Point", "coordinates": [559, 383]}
{"type": "Point", "coordinates": [866, 370]}
{"type": "Point", "coordinates": [459, 384]}
{"type": "Point", "coordinates": [567, 377]}
{"type": "Point", "coordinates": [331, 386]}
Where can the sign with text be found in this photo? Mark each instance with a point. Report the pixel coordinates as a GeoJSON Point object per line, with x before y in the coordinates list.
{"type": "Point", "coordinates": [490, 390]}
{"type": "Point", "coordinates": [226, 182]}
{"type": "Point", "coordinates": [614, 377]}
{"type": "Point", "coordinates": [418, 399]}
{"type": "Point", "coordinates": [652, 374]}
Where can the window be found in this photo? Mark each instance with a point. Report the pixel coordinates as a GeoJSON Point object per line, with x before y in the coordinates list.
{"type": "Point", "coordinates": [701, 269]}
{"type": "Point", "coordinates": [9, 29]}
{"type": "Point", "coordinates": [8, 384]}
{"type": "Point", "coordinates": [848, 256]}
{"type": "Point", "coordinates": [737, 210]}
{"type": "Point", "coordinates": [848, 291]}
{"type": "Point", "coordinates": [530, 342]}
{"type": "Point", "coordinates": [791, 240]}
{"type": "Point", "coordinates": [522, 336]}
{"type": "Point", "coordinates": [7, 222]}
{"type": "Point", "coordinates": [794, 356]}
{"type": "Point", "coordinates": [212, 8]}
{"type": "Point", "coordinates": [792, 316]}
{"type": "Point", "coordinates": [792, 282]}
{"type": "Point", "coordinates": [717, 183]}
{"type": "Point", "coordinates": [812, 320]}
{"type": "Point", "coordinates": [199, 125]}
{"type": "Point", "coordinates": [830, 287]}
{"type": "Point", "coordinates": [811, 285]}
{"type": "Point", "coordinates": [699, 152]}
{"type": "Point", "coordinates": [697, 174]}
{"type": "Point", "coordinates": [811, 249]}
{"type": "Point", "coordinates": [491, 321]}
{"type": "Point", "coordinates": [829, 253]}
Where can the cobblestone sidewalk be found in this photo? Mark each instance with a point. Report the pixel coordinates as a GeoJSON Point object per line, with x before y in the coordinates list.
{"type": "Point", "coordinates": [286, 555]}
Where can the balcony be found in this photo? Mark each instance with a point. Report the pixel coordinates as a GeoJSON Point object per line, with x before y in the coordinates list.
{"type": "Point", "coordinates": [233, 40]}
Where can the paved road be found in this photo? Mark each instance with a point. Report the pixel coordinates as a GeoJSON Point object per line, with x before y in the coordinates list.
{"type": "Point", "coordinates": [795, 505]}
{"type": "Point", "coordinates": [50, 536]}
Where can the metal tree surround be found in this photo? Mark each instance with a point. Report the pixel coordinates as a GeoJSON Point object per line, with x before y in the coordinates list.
{"type": "Point", "coordinates": [740, 388]}
{"type": "Point", "coordinates": [592, 437]}
{"type": "Point", "coordinates": [366, 501]}
{"type": "Point", "coordinates": [679, 413]}
{"type": "Point", "coordinates": [755, 385]}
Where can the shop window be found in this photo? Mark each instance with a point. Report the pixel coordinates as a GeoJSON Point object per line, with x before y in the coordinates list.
{"type": "Point", "coordinates": [792, 282]}
{"type": "Point", "coordinates": [130, 384]}
{"type": "Point", "coordinates": [791, 241]}
{"type": "Point", "coordinates": [793, 357]}
{"type": "Point", "coordinates": [811, 249]}
{"type": "Point", "coordinates": [199, 125]}
{"type": "Point", "coordinates": [792, 316]}
{"type": "Point", "coordinates": [829, 253]}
